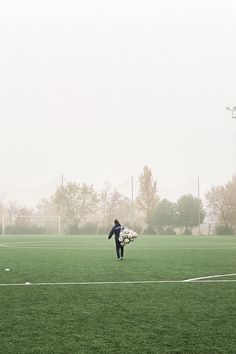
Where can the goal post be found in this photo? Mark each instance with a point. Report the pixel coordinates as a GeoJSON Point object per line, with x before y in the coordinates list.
{"type": "Point", "coordinates": [32, 222]}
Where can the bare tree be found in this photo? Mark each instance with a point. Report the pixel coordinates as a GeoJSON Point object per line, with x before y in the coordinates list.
{"type": "Point", "coordinates": [47, 207]}
{"type": "Point", "coordinates": [117, 206]}
{"type": "Point", "coordinates": [12, 210]}
{"type": "Point", "coordinates": [219, 204]}
{"type": "Point", "coordinates": [231, 197]}
{"type": "Point", "coordinates": [112, 205]}
{"type": "Point", "coordinates": [76, 201]}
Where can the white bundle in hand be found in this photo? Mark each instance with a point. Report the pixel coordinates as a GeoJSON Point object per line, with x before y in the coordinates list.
{"type": "Point", "coordinates": [127, 236]}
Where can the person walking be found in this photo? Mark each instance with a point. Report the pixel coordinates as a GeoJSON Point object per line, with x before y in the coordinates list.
{"type": "Point", "coordinates": [117, 228]}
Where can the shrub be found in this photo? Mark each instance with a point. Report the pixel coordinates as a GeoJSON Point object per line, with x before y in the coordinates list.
{"type": "Point", "coordinates": [186, 232]}
{"type": "Point", "coordinates": [88, 229]}
{"type": "Point", "coordinates": [24, 229]}
{"type": "Point", "coordinates": [167, 231]}
{"type": "Point", "coordinates": [224, 230]}
{"type": "Point", "coordinates": [72, 230]}
{"type": "Point", "coordinates": [149, 231]}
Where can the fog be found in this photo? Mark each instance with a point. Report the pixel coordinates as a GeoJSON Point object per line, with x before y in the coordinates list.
{"type": "Point", "coordinates": [96, 90]}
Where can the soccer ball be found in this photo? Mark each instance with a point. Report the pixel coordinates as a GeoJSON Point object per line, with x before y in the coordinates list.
{"type": "Point", "coordinates": [125, 232]}
{"type": "Point", "coordinates": [126, 241]}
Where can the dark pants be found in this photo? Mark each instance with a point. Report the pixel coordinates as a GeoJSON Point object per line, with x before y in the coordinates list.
{"type": "Point", "coordinates": [119, 249]}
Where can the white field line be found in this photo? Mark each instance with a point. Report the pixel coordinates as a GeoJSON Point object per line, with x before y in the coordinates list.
{"type": "Point", "coordinates": [59, 248]}
{"type": "Point", "coordinates": [85, 242]}
{"type": "Point", "coordinates": [109, 248]}
{"type": "Point", "coordinates": [191, 244]}
{"type": "Point", "coordinates": [117, 283]}
{"type": "Point", "coordinates": [211, 281]}
{"type": "Point", "coordinates": [98, 246]}
{"type": "Point", "coordinates": [210, 277]}
{"type": "Point", "coordinates": [64, 240]}
{"type": "Point", "coordinates": [97, 283]}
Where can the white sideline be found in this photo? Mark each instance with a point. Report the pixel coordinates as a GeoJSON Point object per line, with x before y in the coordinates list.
{"type": "Point", "coordinates": [210, 277]}
{"type": "Point", "coordinates": [120, 282]}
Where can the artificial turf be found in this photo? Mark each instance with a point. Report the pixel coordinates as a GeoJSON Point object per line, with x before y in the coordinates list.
{"type": "Point", "coordinates": [117, 318]}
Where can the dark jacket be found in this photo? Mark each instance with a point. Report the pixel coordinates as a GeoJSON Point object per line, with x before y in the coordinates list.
{"type": "Point", "coordinates": [116, 230]}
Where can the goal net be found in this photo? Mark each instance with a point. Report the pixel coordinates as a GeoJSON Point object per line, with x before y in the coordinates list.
{"type": "Point", "coordinates": [33, 224]}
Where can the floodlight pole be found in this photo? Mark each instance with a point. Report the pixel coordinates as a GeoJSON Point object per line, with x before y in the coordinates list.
{"type": "Point", "coordinates": [199, 206]}
{"type": "Point", "coordinates": [132, 201]}
{"type": "Point", "coordinates": [233, 113]}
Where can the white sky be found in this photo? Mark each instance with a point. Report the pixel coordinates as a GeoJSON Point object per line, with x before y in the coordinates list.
{"type": "Point", "coordinates": [97, 89]}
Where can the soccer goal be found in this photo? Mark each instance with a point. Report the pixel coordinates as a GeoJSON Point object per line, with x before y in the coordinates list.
{"type": "Point", "coordinates": [33, 224]}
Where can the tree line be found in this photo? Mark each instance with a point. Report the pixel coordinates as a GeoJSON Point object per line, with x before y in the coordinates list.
{"type": "Point", "coordinates": [84, 210]}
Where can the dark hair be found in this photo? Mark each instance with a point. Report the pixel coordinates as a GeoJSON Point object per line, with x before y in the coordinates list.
{"type": "Point", "coordinates": [116, 221]}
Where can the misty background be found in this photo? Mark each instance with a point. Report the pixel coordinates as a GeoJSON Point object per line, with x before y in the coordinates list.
{"type": "Point", "coordinates": [96, 90]}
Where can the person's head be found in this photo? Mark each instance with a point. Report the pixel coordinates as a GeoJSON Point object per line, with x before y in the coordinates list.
{"type": "Point", "coordinates": [116, 222]}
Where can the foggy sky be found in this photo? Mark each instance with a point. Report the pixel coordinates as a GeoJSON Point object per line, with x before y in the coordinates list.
{"type": "Point", "coordinates": [98, 89]}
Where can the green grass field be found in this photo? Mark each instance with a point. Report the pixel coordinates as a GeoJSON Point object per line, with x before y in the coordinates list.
{"type": "Point", "coordinates": [125, 314]}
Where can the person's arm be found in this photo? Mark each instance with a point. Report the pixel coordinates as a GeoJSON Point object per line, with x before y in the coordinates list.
{"type": "Point", "coordinates": [111, 233]}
